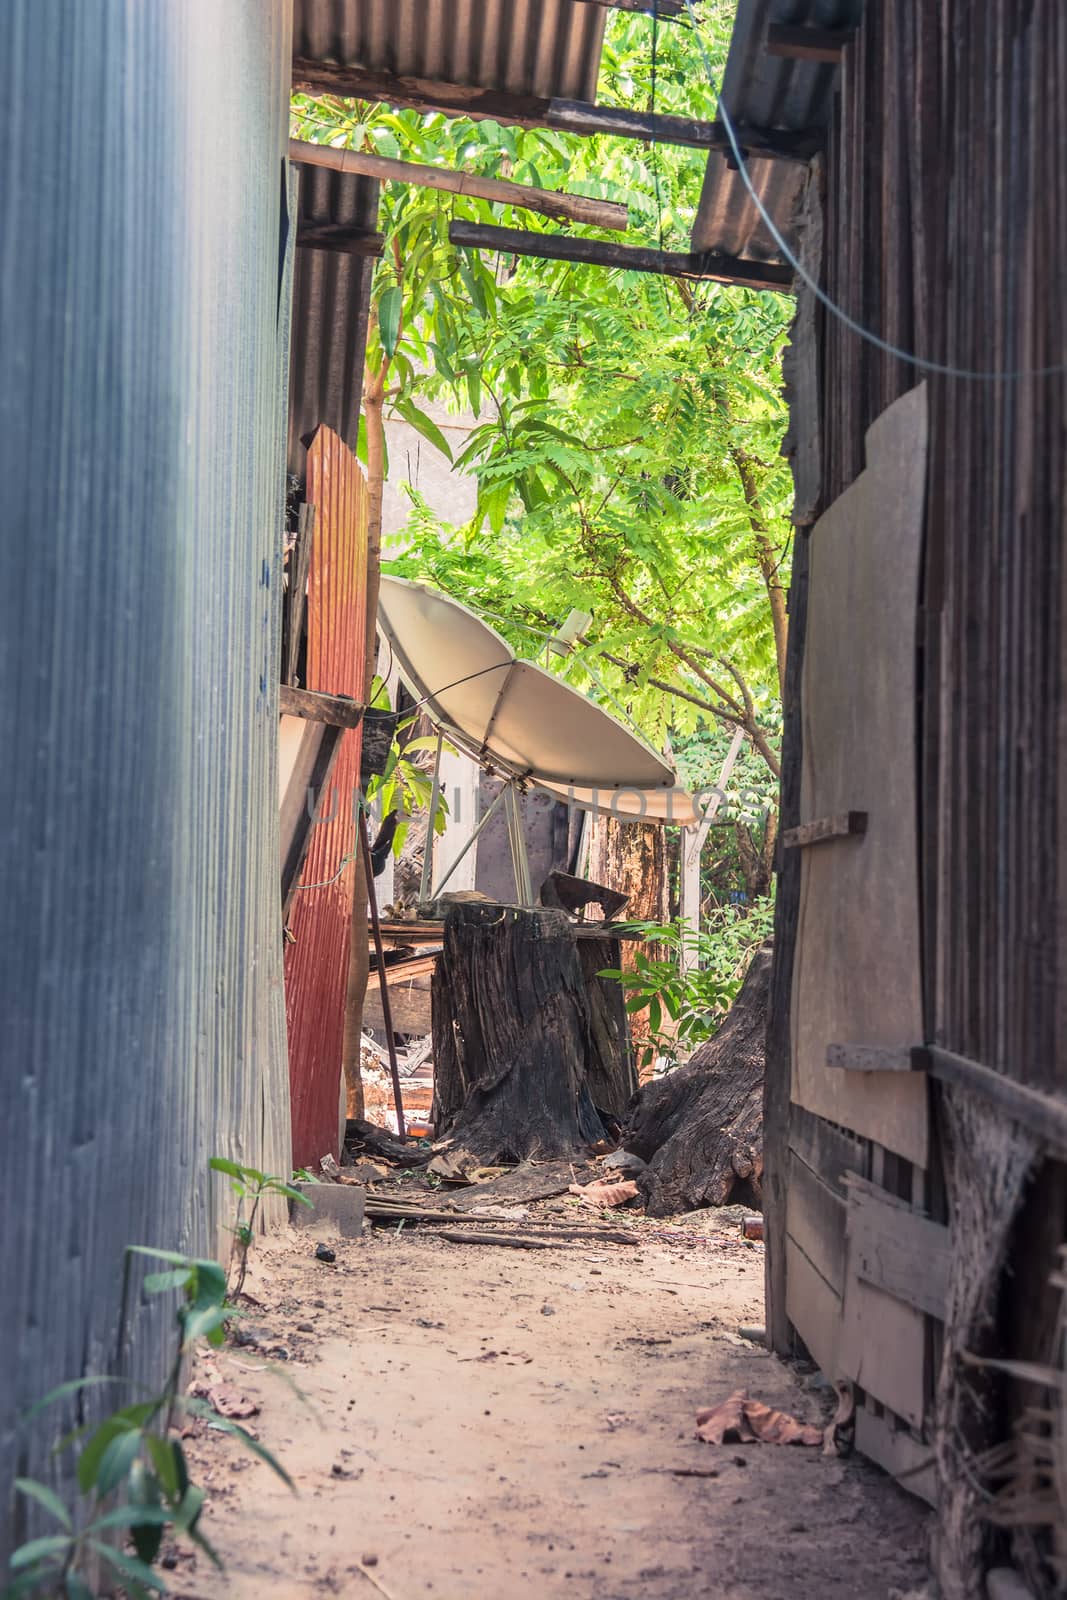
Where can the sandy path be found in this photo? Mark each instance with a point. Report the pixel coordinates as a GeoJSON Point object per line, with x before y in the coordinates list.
{"type": "Point", "coordinates": [480, 1423]}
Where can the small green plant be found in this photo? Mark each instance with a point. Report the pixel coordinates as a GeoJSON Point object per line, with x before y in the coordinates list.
{"type": "Point", "coordinates": [249, 1185]}
{"type": "Point", "coordinates": [131, 1468]}
{"type": "Point", "coordinates": [696, 1000]}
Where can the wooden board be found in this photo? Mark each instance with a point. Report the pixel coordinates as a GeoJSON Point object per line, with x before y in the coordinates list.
{"type": "Point", "coordinates": [897, 1249]}
{"type": "Point", "coordinates": [856, 970]}
{"type": "Point", "coordinates": [831, 1152]}
{"type": "Point", "coordinates": [813, 1307]}
{"type": "Point", "coordinates": [816, 1222]}
{"type": "Point", "coordinates": [899, 1452]}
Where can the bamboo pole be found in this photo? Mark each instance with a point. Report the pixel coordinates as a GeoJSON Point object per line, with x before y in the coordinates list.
{"type": "Point", "coordinates": [549, 202]}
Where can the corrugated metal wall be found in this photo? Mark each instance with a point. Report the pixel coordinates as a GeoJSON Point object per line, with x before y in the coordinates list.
{"type": "Point", "coordinates": [947, 216]}
{"type": "Point", "coordinates": [141, 452]}
{"type": "Point", "coordinates": [316, 963]}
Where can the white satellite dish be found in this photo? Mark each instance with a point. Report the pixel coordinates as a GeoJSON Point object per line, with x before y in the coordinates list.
{"type": "Point", "coordinates": [518, 720]}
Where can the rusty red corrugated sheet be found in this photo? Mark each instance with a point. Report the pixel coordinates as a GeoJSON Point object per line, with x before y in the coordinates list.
{"type": "Point", "coordinates": [316, 965]}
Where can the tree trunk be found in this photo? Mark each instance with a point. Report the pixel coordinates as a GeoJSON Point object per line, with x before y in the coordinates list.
{"type": "Point", "coordinates": [512, 1036]}
{"type": "Point", "coordinates": [700, 1128]}
{"type": "Point", "coordinates": [632, 857]}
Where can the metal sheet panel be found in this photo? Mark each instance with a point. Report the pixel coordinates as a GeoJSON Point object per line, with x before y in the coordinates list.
{"type": "Point", "coordinates": [539, 47]}
{"type": "Point", "coordinates": [316, 963]}
{"type": "Point", "coordinates": [141, 443]}
{"type": "Point", "coordinates": [331, 302]}
{"type": "Point", "coordinates": [765, 91]}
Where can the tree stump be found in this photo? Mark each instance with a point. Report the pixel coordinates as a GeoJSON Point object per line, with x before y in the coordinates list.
{"type": "Point", "coordinates": [515, 1057]}
{"type": "Point", "coordinates": [700, 1128]}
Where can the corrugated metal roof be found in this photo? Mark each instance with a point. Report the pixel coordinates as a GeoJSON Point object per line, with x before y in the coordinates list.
{"type": "Point", "coordinates": [331, 298]}
{"type": "Point", "coordinates": [520, 47]}
{"type": "Point", "coordinates": [766, 91]}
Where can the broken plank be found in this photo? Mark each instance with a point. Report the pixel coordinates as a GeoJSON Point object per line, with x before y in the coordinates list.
{"type": "Point", "coordinates": [869, 1057]}
{"type": "Point", "coordinates": [512, 1240]}
{"type": "Point", "coordinates": [549, 202]}
{"type": "Point", "coordinates": [896, 1248]}
{"type": "Point", "coordinates": [336, 709]}
{"type": "Point", "coordinates": [838, 826]}
{"type": "Point", "coordinates": [699, 267]}
{"type": "Point", "coordinates": [663, 9]}
{"type": "Point", "coordinates": [799, 43]}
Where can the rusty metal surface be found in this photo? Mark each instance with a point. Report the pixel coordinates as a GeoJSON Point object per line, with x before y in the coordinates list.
{"type": "Point", "coordinates": [539, 47]}
{"type": "Point", "coordinates": [316, 963]}
{"type": "Point", "coordinates": [142, 448]}
{"type": "Point", "coordinates": [765, 91]}
{"type": "Point", "coordinates": [331, 301]}
{"type": "Point", "coordinates": [946, 231]}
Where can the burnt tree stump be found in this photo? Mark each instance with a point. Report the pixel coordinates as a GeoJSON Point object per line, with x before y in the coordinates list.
{"type": "Point", "coordinates": [700, 1128]}
{"type": "Point", "coordinates": [519, 1062]}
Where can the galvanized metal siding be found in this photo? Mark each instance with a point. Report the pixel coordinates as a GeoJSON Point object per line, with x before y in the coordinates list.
{"type": "Point", "coordinates": [316, 963]}
{"type": "Point", "coordinates": [947, 230]}
{"type": "Point", "coordinates": [539, 47]}
{"type": "Point", "coordinates": [141, 446]}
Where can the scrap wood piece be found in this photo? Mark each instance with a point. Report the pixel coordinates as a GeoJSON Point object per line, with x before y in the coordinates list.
{"type": "Point", "coordinates": [517, 1241]}
{"type": "Point", "coordinates": [380, 1142]}
{"type": "Point", "coordinates": [605, 1194]}
{"type": "Point", "coordinates": [532, 1180]}
{"type": "Point", "coordinates": [742, 1420]}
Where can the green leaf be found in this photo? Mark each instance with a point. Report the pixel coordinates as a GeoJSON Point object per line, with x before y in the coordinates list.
{"type": "Point", "coordinates": [425, 425]}
{"type": "Point", "coordinates": [47, 1498]}
{"type": "Point", "coordinates": [133, 1515]}
{"type": "Point", "coordinates": [76, 1587]}
{"type": "Point", "coordinates": [93, 1454]}
{"type": "Point", "coordinates": [39, 1550]}
{"type": "Point", "coordinates": [129, 1566]}
{"type": "Point", "coordinates": [162, 1455]}
{"type": "Point", "coordinates": [160, 1282]}
{"type": "Point", "coordinates": [636, 1002]}
{"type": "Point", "coordinates": [655, 1014]}
{"type": "Point", "coordinates": [389, 308]}
{"type": "Point", "coordinates": [231, 1169]}
{"type": "Point", "coordinates": [116, 1461]}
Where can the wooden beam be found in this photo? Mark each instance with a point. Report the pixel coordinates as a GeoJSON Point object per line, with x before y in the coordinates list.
{"type": "Point", "coordinates": [1043, 1115]}
{"type": "Point", "coordinates": [537, 111]}
{"type": "Point", "coordinates": [869, 1057]}
{"type": "Point", "coordinates": [807, 44]}
{"type": "Point", "coordinates": [336, 709]}
{"type": "Point", "coordinates": [576, 116]}
{"type": "Point", "coordinates": [551, 203]}
{"type": "Point", "coordinates": [342, 236]}
{"type": "Point", "coordinates": [709, 265]}
{"type": "Point", "coordinates": [838, 826]}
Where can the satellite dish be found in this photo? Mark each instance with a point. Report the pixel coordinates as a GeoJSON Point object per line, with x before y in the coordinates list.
{"type": "Point", "coordinates": [517, 719]}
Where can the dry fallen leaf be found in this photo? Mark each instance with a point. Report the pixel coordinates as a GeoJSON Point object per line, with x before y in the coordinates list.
{"type": "Point", "coordinates": [742, 1420]}
{"type": "Point", "coordinates": [230, 1402]}
{"type": "Point", "coordinates": [605, 1194]}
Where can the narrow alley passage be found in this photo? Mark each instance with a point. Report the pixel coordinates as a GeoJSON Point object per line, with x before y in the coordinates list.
{"type": "Point", "coordinates": [473, 1422]}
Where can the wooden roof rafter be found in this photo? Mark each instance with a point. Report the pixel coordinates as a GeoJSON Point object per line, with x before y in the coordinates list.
{"type": "Point", "coordinates": [696, 266]}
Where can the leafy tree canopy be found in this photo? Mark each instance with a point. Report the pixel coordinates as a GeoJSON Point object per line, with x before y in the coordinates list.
{"type": "Point", "coordinates": [626, 426]}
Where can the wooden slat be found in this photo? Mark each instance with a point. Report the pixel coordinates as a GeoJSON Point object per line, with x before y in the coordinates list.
{"type": "Point", "coordinates": [576, 116]}
{"type": "Point", "coordinates": [336, 709]}
{"type": "Point", "coordinates": [837, 826]}
{"type": "Point", "coordinates": [896, 1248]}
{"type": "Point", "coordinates": [870, 1057]}
{"type": "Point", "coordinates": [700, 267]}
{"type": "Point", "coordinates": [549, 202]}
{"type": "Point", "coordinates": [311, 773]}
{"type": "Point", "coordinates": [807, 44]}
{"type": "Point", "coordinates": [882, 1347]}
{"type": "Point", "coordinates": [813, 1306]}
{"type": "Point", "coordinates": [899, 1452]}
{"type": "Point", "coordinates": [828, 1150]}
{"type": "Point", "coordinates": [816, 1222]}
{"type": "Point", "coordinates": [411, 1012]}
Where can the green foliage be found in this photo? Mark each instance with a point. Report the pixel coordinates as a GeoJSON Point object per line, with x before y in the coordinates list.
{"type": "Point", "coordinates": [686, 1008]}
{"type": "Point", "coordinates": [130, 1468]}
{"type": "Point", "coordinates": [626, 428]}
{"type": "Point", "coordinates": [250, 1186]}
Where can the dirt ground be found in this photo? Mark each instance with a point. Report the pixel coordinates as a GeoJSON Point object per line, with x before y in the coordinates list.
{"type": "Point", "coordinates": [473, 1422]}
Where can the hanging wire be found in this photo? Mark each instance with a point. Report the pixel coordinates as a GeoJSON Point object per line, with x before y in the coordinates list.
{"type": "Point", "coordinates": [945, 369]}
